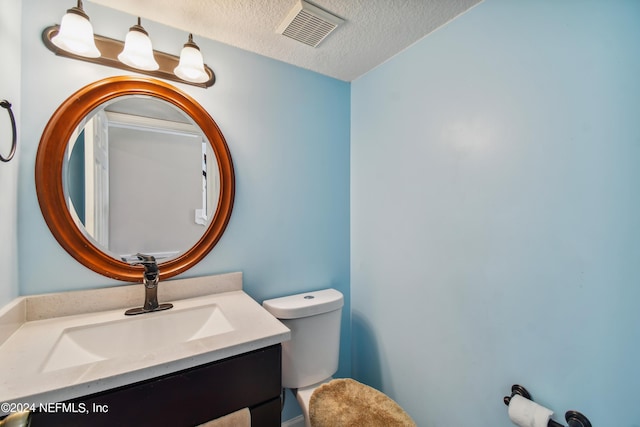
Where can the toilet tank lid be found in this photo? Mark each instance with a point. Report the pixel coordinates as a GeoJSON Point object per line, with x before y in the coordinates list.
{"type": "Point", "coordinates": [305, 304]}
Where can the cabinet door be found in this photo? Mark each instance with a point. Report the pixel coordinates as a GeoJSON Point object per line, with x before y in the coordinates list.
{"type": "Point", "coordinates": [186, 398]}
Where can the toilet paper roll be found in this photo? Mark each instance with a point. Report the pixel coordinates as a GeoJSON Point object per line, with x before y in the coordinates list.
{"type": "Point", "coordinates": [527, 413]}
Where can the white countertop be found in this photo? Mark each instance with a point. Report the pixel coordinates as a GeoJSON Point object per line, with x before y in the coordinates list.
{"type": "Point", "coordinates": [30, 327]}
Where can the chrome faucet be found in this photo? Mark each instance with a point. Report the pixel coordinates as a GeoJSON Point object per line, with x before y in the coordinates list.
{"type": "Point", "coordinates": [150, 278]}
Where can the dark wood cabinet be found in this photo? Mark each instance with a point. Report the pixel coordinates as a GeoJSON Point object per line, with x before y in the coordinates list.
{"type": "Point", "coordinates": [186, 398]}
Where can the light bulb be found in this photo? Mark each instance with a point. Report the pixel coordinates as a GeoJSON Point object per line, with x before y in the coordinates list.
{"type": "Point", "coordinates": [138, 52]}
{"type": "Point", "coordinates": [76, 34]}
{"type": "Point", "coordinates": [191, 65]}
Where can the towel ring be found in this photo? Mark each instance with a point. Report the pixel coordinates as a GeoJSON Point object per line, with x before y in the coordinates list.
{"type": "Point", "coordinates": [6, 104]}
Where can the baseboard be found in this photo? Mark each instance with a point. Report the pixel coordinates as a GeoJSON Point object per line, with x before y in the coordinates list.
{"type": "Point", "coordinates": [294, 422]}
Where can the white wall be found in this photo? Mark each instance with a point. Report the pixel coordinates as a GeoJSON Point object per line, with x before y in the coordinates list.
{"type": "Point", "coordinates": [155, 186]}
{"type": "Point", "coordinates": [10, 19]}
{"type": "Point", "coordinates": [496, 215]}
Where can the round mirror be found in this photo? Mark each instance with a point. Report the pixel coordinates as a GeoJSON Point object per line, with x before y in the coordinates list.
{"type": "Point", "coordinates": [128, 165]}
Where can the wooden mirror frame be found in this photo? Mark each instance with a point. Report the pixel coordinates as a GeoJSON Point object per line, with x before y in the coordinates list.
{"type": "Point", "coordinates": [49, 167]}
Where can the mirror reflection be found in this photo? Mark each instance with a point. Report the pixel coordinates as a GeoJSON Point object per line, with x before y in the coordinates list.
{"type": "Point", "coordinates": [140, 176]}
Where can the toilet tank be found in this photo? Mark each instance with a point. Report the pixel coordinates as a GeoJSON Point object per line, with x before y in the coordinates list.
{"type": "Point", "coordinates": [311, 356]}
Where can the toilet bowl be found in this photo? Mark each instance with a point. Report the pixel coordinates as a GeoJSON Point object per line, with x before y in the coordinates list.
{"type": "Point", "coordinates": [310, 358]}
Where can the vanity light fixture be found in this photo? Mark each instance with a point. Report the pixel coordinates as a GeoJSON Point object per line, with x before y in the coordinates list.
{"type": "Point", "coordinates": [191, 66]}
{"type": "Point", "coordinates": [135, 53]}
{"type": "Point", "coordinates": [76, 33]}
{"type": "Point", "coordinates": [138, 52]}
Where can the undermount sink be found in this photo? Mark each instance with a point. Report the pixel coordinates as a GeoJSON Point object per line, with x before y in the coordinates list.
{"type": "Point", "coordinates": [110, 339]}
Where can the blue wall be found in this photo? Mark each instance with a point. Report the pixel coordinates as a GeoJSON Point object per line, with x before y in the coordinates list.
{"type": "Point", "coordinates": [288, 131]}
{"type": "Point", "coordinates": [9, 90]}
{"type": "Point", "coordinates": [492, 180]}
{"type": "Point", "coordinates": [496, 215]}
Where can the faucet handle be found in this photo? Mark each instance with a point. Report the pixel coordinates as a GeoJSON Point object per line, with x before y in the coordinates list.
{"type": "Point", "coordinates": [150, 266]}
{"type": "Point", "coordinates": [145, 258]}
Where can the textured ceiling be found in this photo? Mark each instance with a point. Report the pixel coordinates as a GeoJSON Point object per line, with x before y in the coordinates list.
{"type": "Point", "coordinates": [374, 31]}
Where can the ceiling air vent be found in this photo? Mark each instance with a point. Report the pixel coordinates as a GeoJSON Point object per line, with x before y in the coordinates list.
{"type": "Point", "coordinates": [308, 24]}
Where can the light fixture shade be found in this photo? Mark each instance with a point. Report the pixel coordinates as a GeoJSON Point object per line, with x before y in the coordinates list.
{"type": "Point", "coordinates": [191, 65]}
{"type": "Point", "coordinates": [76, 34]}
{"type": "Point", "coordinates": [138, 52]}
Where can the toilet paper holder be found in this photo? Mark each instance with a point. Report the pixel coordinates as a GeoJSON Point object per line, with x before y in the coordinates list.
{"type": "Point", "coordinates": [573, 418]}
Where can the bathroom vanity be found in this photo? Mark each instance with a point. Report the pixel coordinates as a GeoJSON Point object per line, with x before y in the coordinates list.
{"type": "Point", "coordinates": [185, 398]}
{"type": "Point", "coordinates": [76, 359]}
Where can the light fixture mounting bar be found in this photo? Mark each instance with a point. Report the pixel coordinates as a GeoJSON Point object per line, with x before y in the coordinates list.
{"type": "Point", "coordinates": [110, 48]}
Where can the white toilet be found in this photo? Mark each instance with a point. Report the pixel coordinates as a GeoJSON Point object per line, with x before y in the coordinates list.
{"type": "Point", "coordinates": [310, 358]}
